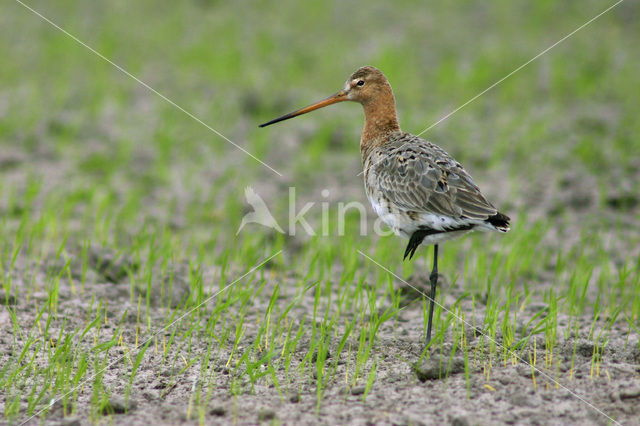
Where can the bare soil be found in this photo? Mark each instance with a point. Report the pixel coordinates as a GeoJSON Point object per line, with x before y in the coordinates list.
{"type": "Point", "coordinates": [572, 391]}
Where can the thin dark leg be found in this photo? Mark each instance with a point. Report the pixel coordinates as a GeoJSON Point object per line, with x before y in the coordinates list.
{"type": "Point", "coordinates": [434, 281]}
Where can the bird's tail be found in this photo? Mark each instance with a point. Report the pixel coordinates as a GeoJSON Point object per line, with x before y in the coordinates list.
{"type": "Point", "coordinates": [499, 221]}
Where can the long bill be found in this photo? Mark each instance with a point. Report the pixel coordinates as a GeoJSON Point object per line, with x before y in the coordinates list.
{"type": "Point", "coordinates": [341, 96]}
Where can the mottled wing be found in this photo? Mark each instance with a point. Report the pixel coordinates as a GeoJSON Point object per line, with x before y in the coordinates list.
{"type": "Point", "coordinates": [419, 176]}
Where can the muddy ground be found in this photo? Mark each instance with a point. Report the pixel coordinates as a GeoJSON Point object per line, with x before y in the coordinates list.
{"type": "Point", "coordinates": [508, 393]}
{"type": "Point", "coordinates": [553, 143]}
{"type": "Point", "coordinates": [573, 390]}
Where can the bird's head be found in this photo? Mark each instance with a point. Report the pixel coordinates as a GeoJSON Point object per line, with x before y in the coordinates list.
{"type": "Point", "coordinates": [365, 85]}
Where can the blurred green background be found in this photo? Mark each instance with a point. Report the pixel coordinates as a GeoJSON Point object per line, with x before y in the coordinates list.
{"type": "Point", "coordinates": [89, 155]}
{"type": "Point", "coordinates": [91, 158]}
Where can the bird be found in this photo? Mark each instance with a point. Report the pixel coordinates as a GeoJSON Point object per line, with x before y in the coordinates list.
{"type": "Point", "coordinates": [422, 193]}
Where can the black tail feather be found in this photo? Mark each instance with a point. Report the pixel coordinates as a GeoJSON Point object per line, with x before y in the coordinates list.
{"type": "Point", "coordinates": [500, 221]}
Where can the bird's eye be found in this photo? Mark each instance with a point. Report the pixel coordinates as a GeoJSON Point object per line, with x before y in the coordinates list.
{"type": "Point", "coordinates": [360, 83]}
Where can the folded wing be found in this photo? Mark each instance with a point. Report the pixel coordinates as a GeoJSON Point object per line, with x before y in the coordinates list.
{"type": "Point", "coordinates": [418, 176]}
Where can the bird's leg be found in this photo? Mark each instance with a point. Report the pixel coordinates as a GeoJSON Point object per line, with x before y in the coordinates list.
{"type": "Point", "coordinates": [434, 281]}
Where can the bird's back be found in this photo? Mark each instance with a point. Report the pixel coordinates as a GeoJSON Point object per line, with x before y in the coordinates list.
{"type": "Point", "coordinates": [414, 184]}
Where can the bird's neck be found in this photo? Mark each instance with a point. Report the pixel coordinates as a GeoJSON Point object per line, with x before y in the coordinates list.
{"type": "Point", "coordinates": [381, 120]}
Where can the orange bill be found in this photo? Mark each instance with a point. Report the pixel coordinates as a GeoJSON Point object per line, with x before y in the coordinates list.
{"type": "Point", "coordinates": [337, 97]}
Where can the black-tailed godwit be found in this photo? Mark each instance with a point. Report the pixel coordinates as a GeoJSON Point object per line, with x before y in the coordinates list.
{"type": "Point", "coordinates": [416, 188]}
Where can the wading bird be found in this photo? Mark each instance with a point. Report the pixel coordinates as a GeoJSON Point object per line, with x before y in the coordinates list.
{"type": "Point", "coordinates": [416, 188]}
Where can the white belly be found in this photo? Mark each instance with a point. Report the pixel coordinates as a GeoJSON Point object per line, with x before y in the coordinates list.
{"type": "Point", "coordinates": [405, 224]}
